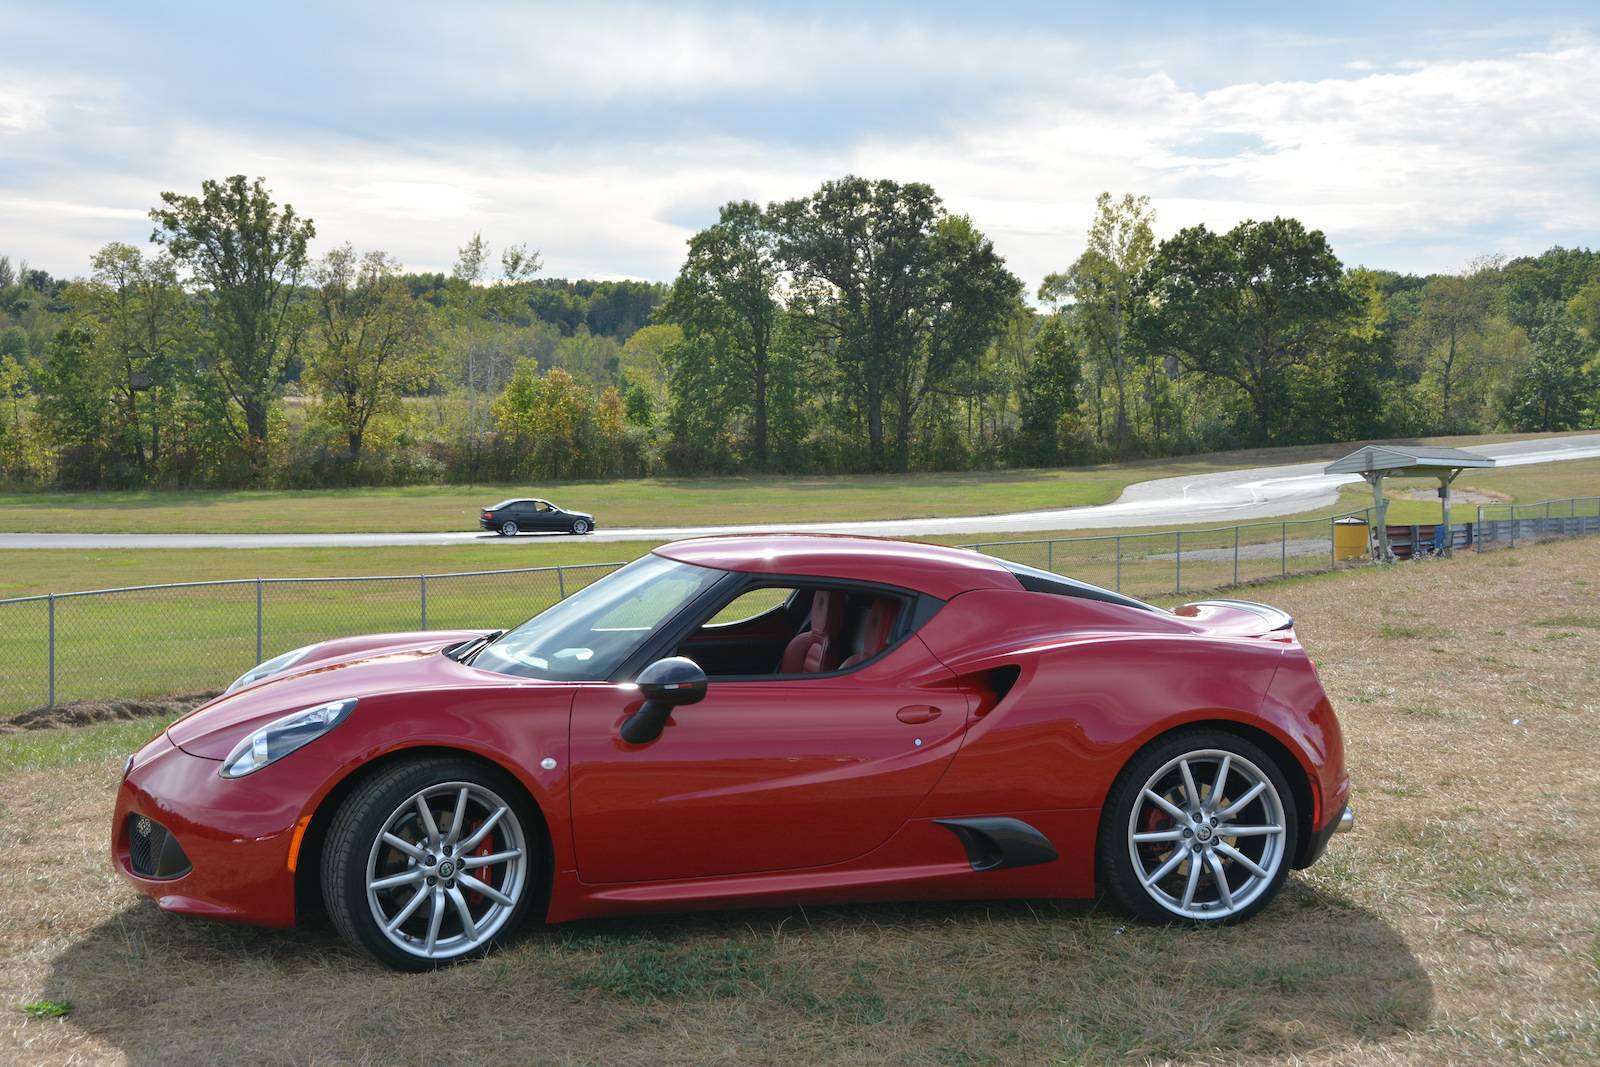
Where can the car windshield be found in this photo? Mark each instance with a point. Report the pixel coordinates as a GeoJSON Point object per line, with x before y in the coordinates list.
{"type": "Point", "coordinates": [587, 636]}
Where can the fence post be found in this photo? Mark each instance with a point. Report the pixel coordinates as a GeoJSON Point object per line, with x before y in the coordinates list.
{"type": "Point", "coordinates": [1477, 532]}
{"type": "Point", "coordinates": [1050, 556]}
{"type": "Point", "coordinates": [561, 583]}
{"type": "Point", "coordinates": [51, 702]}
{"type": "Point", "coordinates": [1236, 555]}
{"type": "Point", "coordinates": [423, 580]}
{"type": "Point", "coordinates": [1119, 563]}
{"type": "Point", "coordinates": [259, 634]}
{"type": "Point", "coordinates": [1177, 576]}
{"type": "Point", "coordinates": [1283, 551]}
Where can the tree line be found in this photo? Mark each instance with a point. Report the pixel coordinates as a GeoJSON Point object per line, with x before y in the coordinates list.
{"type": "Point", "coordinates": [860, 328]}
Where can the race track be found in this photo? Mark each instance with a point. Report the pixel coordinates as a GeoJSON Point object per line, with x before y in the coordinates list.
{"type": "Point", "coordinates": [1223, 498]}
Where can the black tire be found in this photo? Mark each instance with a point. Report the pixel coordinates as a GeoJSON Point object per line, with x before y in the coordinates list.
{"type": "Point", "coordinates": [508, 529]}
{"type": "Point", "coordinates": [1162, 902]}
{"type": "Point", "coordinates": [353, 841]}
{"type": "Point", "coordinates": [580, 526]}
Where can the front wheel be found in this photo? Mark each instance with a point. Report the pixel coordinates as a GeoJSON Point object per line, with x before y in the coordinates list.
{"type": "Point", "coordinates": [580, 526]}
{"type": "Point", "coordinates": [1200, 827]}
{"type": "Point", "coordinates": [429, 863]}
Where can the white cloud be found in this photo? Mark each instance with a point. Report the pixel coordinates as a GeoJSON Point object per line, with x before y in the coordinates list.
{"type": "Point", "coordinates": [1413, 168]}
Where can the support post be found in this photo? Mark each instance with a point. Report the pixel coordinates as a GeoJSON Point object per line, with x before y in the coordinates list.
{"type": "Point", "coordinates": [1283, 550]}
{"type": "Point", "coordinates": [51, 701]}
{"type": "Point", "coordinates": [1177, 574]}
{"type": "Point", "coordinates": [1236, 555]}
{"type": "Point", "coordinates": [260, 636]}
{"type": "Point", "coordinates": [423, 580]}
{"type": "Point", "coordinates": [1118, 586]}
{"type": "Point", "coordinates": [1442, 540]}
{"type": "Point", "coordinates": [1381, 552]}
{"type": "Point", "coordinates": [1050, 556]}
{"type": "Point", "coordinates": [561, 583]}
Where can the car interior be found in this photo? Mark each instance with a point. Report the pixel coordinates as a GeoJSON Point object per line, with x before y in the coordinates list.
{"type": "Point", "coordinates": [795, 631]}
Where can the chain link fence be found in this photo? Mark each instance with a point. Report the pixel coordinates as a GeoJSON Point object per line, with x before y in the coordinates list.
{"type": "Point", "coordinates": [1153, 564]}
{"type": "Point", "coordinates": [1187, 561]}
{"type": "Point", "coordinates": [161, 640]}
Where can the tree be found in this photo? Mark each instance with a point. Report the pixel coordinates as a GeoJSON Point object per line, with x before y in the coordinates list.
{"type": "Point", "coordinates": [142, 324]}
{"type": "Point", "coordinates": [551, 414]}
{"type": "Point", "coordinates": [479, 307]}
{"type": "Point", "coordinates": [726, 301]}
{"type": "Point", "coordinates": [1101, 285]}
{"type": "Point", "coordinates": [1049, 393]}
{"type": "Point", "coordinates": [247, 256]}
{"type": "Point", "coordinates": [1247, 307]}
{"type": "Point", "coordinates": [1450, 319]}
{"type": "Point", "coordinates": [369, 344]}
{"type": "Point", "coordinates": [1551, 390]}
{"type": "Point", "coordinates": [895, 292]}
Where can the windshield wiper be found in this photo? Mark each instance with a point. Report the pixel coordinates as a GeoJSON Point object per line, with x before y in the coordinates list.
{"type": "Point", "coordinates": [464, 652]}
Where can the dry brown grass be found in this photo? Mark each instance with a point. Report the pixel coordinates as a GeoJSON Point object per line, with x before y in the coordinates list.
{"type": "Point", "coordinates": [1461, 923]}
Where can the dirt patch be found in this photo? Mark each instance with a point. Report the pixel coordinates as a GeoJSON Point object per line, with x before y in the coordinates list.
{"type": "Point", "coordinates": [88, 712]}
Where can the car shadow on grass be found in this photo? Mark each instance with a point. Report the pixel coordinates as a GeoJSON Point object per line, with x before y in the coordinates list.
{"type": "Point", "coordinates": [969, 982]}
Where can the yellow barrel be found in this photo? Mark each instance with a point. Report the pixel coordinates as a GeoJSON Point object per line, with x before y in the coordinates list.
{"type": "Point", "coordinates": [1350, 538]}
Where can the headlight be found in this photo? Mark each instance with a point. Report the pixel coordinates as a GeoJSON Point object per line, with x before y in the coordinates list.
{"type": "Point", "coordinates": [282, 736]}
{"type": "Point", "coordinates": [270, 667]}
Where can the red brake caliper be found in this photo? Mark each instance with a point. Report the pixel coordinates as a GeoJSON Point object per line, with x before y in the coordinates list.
{"type": "Point", "coordinates": [485, 848]}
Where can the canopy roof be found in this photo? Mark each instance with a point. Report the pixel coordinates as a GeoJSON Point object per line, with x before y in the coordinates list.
{"type": "Point", "coordinates": [1406, 461]}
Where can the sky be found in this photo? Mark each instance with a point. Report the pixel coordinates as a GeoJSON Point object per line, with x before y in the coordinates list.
{"type": "Point", "coordinates": [1416, 136]}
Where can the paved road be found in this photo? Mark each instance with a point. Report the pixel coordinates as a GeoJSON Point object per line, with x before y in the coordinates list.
{"type": "Point", "coordinates": [1224, 498]}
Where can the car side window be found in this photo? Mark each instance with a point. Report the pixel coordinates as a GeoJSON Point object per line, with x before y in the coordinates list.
{"type": "Point", "coordinates": [750, 604]}
{"type": "Point", "coordinates": [788, 631]}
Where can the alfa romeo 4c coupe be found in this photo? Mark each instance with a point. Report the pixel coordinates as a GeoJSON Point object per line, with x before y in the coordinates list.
{"type": "Point", "coordinates": [750, 721]}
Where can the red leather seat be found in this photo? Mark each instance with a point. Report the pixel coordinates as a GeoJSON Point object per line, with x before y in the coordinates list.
{"type": "Point", "coordinates": [815, 650]}
{"type": "Point", "coordinates": [876, 629]}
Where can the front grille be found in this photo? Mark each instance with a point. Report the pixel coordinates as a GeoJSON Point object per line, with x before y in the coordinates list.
{"type": "Point", "coordinates": [152, 850]}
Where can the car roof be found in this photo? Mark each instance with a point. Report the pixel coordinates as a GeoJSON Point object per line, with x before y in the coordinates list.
{"type": "Point", "coordinates": [933, 569]}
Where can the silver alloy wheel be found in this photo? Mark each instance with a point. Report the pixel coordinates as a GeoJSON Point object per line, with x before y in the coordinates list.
{"type": "Point", "coordinates": [1207, 834]}
{"type": "Point", "coordinates": [580, 527]}
{"type": "Point", "coordinates": [447, 870]}
{"type": "Point", "coordinates": [508, 529]}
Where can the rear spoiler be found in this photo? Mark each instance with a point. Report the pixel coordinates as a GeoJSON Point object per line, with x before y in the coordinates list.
{"type": "Point", "coordinates": [1270, 616]}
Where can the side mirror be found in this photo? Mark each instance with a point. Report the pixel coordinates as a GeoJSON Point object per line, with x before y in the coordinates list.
{"type": "Point", "coordinates": [666, 684]}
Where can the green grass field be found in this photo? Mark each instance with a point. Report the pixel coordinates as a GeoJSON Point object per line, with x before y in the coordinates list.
{"type": "Point", "coordinates": [638, 502]}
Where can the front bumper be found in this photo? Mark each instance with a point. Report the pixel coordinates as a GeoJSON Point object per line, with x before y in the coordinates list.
{"type": "Point", "coordinates": [238, 842]}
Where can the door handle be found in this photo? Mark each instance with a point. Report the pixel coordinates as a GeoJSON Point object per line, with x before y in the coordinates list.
{"type": "Point", "coordinates": [917, 713]}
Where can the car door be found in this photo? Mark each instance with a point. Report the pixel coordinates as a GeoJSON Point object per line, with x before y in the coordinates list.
{"type": "Point", "coordinates": [767, 774]}
{"type": "Point", "coordinates": [544, 516]}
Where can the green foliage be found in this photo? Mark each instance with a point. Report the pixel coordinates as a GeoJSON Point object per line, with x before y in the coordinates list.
{"type": "Point", "coordinates": [369, 345]}
{"type": "Point", "coordinates": [48, 1009]}
{"type": "Point", "coordinates": [247, 256]}
{"type": "Point", "coordinates": [859, 328]}
{"type": "Point", "coordinates": [1249, 307]}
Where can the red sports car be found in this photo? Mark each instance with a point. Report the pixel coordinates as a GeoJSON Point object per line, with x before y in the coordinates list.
{"type": "Point", "coordinates": [750, 721]}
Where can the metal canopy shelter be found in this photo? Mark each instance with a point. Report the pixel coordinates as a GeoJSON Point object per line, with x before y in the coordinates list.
{"type": "Point", "coordinates": [1377, 462]}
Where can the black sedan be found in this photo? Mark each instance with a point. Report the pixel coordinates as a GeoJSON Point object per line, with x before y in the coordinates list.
{"type": "Point", "coordinates": [511, 517]}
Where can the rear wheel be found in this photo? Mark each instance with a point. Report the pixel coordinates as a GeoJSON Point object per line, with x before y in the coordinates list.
{"type": "Point", "coordinates": [430, 863]}
{"type": "Point", "coordinates": [508, 529]}
{"type": "Point", "coordinates": [1199, 827]}
{"type": "Point", "coordinates": [580, 526]}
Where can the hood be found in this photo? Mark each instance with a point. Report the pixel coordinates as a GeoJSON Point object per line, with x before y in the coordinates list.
{"type": "Point", "coordinates": [358, 667]}
{"type": "Point", "coordinates": [1237, 618]}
